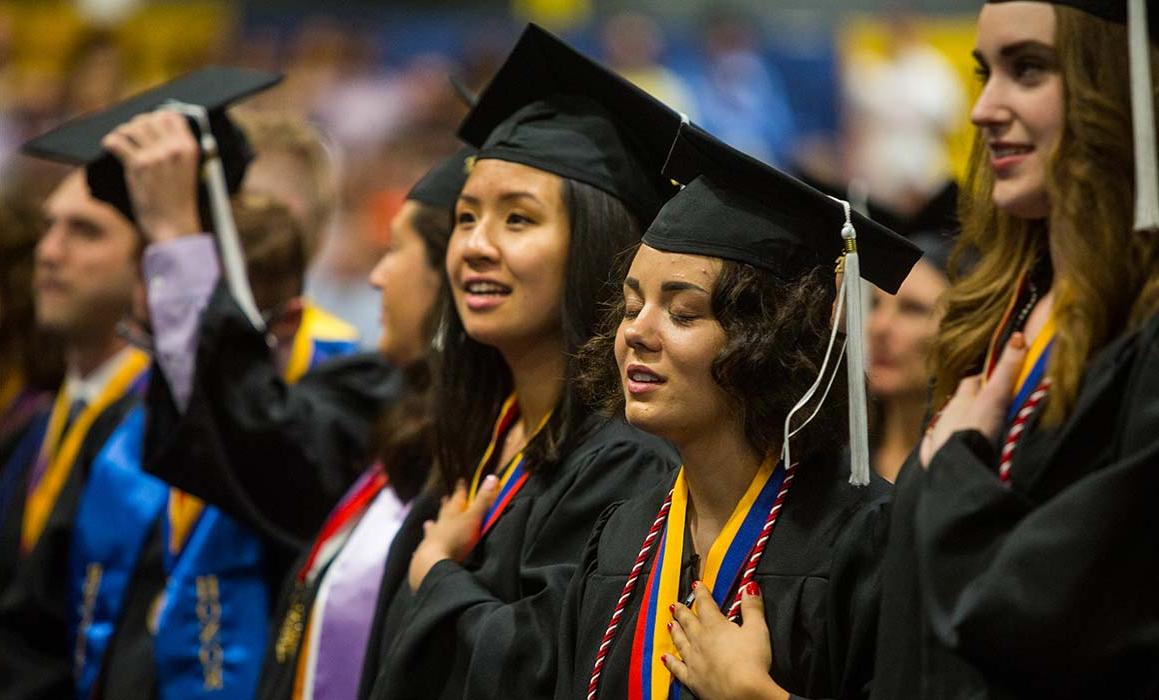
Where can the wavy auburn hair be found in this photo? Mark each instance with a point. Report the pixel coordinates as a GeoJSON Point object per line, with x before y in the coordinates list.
{"type": "Point", "coordinates": [1106, 276]}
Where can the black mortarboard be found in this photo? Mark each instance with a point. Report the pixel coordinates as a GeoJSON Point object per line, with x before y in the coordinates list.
{"type": "Point", "coordinates": [441, 186]}
{"type": "Point", "coordinates": [551, 108]}
{"type": "Point", "coordinates": [78, 141]}
{"type": "Point", "coordinates": [736, 207]}
{"type": "Point", "coordinates": [1110, 10]}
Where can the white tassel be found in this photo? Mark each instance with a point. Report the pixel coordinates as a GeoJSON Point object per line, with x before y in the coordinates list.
{"type": "Point", "coordinates": [1142, 118]}
{"type": "Point", "coordinates": [228, 245]}
{"type": "Point", "coordinates": [855, 358]}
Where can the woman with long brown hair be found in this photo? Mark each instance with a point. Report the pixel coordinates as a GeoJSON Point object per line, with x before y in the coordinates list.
{"type": "Point", "coordinates": [1022, 558]}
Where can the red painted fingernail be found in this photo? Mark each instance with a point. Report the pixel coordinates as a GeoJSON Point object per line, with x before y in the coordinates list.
{"type": "Point", "coordinates": [753, 589]}
{"type": "Point", "coordinates": [695, 584]}
{"type": "Point", "coordinates": [664, 658]}
{"type": "Point", "coordinates": [672, 609]}
{"type": "Point", "coordinates": [669, 626]}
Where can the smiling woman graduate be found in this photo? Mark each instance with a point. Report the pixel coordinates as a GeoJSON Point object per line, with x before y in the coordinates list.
{"type": "Point", "coordinates": [722, 328]}
{"type": "Point", "coordinates": [1022, 560]}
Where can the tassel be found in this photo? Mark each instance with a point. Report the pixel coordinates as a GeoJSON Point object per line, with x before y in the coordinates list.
{"type": "Point", "coordinates": [1142, 118]}
{"type": "Point", "coordinates": [228, 245]}
{"type": "Point", "coordinates": [855, 358]}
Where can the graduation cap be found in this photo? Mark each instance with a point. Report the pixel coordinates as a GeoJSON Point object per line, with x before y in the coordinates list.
{"type": "Point", "coordinates": [202, 96]}
{"type": "Point", "coordinates": [738, 208]}
{"type": "Point", "coordinates": [441, 186]}
{"type": "Point", "coordinates": [734, 206]}
{"type": "Point", "coordinates": [78, 141]}
{"type": "Point", "coordinates": [1142, 19]}
{"type": "Point", "coordinates": [552, 108]}
{"type": "Point", "coordinates": [933, 228]}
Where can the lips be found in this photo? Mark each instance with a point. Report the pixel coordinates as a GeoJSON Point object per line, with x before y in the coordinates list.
{"type": "Point", "coordinates": [482, 293]}
{"type": "Point", "coordinates": [486, 288]}
{"type": "Point", "coordinates": [642, 380]}
{"type": "Point", "coordinates": [1004, 155]}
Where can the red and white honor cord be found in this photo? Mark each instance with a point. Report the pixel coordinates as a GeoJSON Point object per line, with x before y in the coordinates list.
{"type": "Point", "coordinates": [646, 550]}
{"type": "Point", "coordinates": [1018, 428]}
{"type": "Point", "coordinates": [629, 586]}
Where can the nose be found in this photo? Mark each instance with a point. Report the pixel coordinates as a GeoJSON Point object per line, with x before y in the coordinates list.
{"type": "Point", "coordinates": [478, 247]}
{"type": "Point", "coordinates": [377, 276]}
{"type": "Point", "coordinates": [50, 249]}
{"type": "Point", "coordinates": [990, 110]}
{"type": "Point", "coordinates": [880, 319]}
{"type": "Point", "coordinates": [640, 332]}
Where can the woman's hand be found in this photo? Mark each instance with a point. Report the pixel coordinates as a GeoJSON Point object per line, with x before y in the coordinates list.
{"type": "Point", "coordinates": [455, 532]}
{"type": "Point", "coordinates": [720, 660]}
{"type": "Point", "coordinates": [161, 159]}
{"type": "Point", "coordinates": [977, 405]}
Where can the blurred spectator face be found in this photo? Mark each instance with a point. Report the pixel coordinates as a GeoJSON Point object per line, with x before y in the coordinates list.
{"type": "Point", "coordinates": [409, 286]}
{"type": "Point", "coordinates": [900, 330]}
{"type": "Point", "coordinates": [632, 40]}
{"type": "Point", "coordinates": [97, 77]}
{"type": "Point", "coordinates": [1020, 110]}
{"type": "Point", "coordinates": [86, 275]}
{"type": "Point", "coordinates": [508, 254]}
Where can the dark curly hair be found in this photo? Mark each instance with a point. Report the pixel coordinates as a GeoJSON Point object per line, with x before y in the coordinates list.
{"type": "Point", "coordinates": [776, 334]}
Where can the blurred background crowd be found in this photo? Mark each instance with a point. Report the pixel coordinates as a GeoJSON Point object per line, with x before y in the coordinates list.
{"type": "Point", "coordinates": [869, 97]}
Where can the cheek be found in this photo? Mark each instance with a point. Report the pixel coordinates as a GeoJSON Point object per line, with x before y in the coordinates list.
{"type": "Point", "coordinates": [694, 354]}
{"type": "Point", "coordinates": [620, 348]}
{"type": "Point", "coordinates": [454, 256]}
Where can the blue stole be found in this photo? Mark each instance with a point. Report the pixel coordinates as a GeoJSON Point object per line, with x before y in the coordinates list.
{"type": "Point", "coordinates": [215, 585]}
{"type": "Point", "coordinates": [210, 624]}
{"type": "Point", "coordinates": [118, 510]}
{"type": "Point", "coordinates": [212, 627]}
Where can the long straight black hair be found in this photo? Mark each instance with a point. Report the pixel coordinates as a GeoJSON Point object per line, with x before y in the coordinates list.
{"type": "Point", "coordinates": [472, 379]}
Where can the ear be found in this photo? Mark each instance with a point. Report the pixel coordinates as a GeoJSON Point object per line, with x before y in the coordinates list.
{"type": "Point", "coordinates": [285, 326]}
{"type": "Point", "coordinates": [139, 306]}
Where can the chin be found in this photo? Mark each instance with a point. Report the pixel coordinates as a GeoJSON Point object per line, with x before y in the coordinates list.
{"type": "Point", "coordinates": [645, 417]}
{"type": "Point", "coordinates": [1021, 202]}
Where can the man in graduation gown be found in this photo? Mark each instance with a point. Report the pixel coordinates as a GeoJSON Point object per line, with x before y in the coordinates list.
{"type": "Point", "coordinates": [86, 279]}
{"type": "Point", "coordinates": [157, 579]}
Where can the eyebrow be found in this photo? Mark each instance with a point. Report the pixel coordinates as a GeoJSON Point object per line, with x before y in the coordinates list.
{"type": "Point", "coordinates": [670, 286]}
{"type": "Point", "coordinates": [1015, 48]}
{"type": "Point", "coordinates": [505, 197]}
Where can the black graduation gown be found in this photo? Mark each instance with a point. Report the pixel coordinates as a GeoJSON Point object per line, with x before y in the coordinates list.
{"type": "Point", "coordinates": [1046, 588]}
{"type": "Point", "coordinates": [819, 580]}
{"type": "Point", "coordinates": [35, 655]}
{"type": "Point", "coordinates": [277, 457]}
{"type": "Point", "coordinates": [280, 665]}
{"type": "Point", "coordinates": [486, 628]}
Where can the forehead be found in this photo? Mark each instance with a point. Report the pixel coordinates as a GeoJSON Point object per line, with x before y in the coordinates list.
{"type": "Point", "coordinates": [652, 266]}
{"type": "Point", "coordinates": [72, 199]}
{"type": "Point", "coordinates": [1002, 24]}
{"type": "Point", "coordinates": [491, 177]}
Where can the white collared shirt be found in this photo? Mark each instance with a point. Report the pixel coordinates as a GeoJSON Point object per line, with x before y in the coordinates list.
{"type": "Point", "coordinates": [88, 388]}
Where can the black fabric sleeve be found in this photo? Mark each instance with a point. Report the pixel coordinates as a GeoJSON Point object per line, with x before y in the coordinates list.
{"type": "Point", "coordinates": [506, 648]}
{"type": "Point", "coordinates": [855, 584]}
{"type": "Point", "coordinates": [273, 455]}
{"type": "Point", "coordinates": [571, 677]}
{"type": "Point", "coordinates": [1049, 594]}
